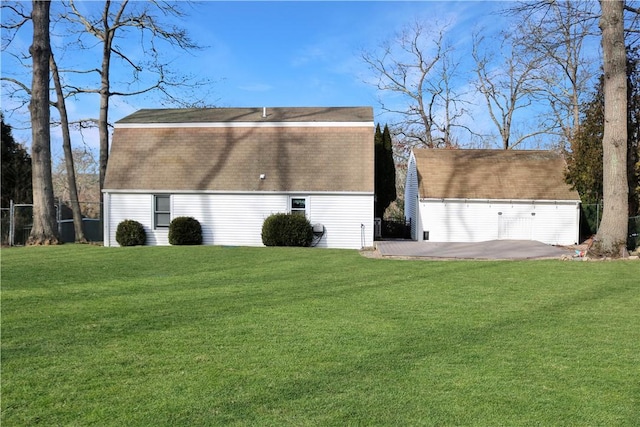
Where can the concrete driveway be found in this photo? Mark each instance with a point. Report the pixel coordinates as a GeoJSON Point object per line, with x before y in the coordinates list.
{"type": "Point", "coordinates": [494, 249]}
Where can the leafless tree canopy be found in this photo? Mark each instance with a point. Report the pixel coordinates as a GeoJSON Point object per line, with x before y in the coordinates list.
{"type": "Point", "coordinates": [542, 66]}
{"type": "Point", "coordinates": [508, 84]}
{"type": "Point", "coordinates": [418, 65]}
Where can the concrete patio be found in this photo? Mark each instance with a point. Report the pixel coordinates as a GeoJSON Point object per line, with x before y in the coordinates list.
{"type": "Point", "coordinates": [491, 250]}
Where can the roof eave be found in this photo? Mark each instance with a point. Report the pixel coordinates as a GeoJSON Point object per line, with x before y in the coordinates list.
{"type": "Point", "coordinates": [486, 200]}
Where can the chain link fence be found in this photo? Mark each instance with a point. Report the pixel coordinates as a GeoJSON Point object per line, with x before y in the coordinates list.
{"type": "Point", "coordinates": [5, 217]}
{"type": "Point", "coordinates": [633, 242]}
{"type": "Point", "coordinates": [590, 217]}
{"type": "Point", "coordinates": [392, 229]}
{"type": "Point", "coordinates": [17, 220]}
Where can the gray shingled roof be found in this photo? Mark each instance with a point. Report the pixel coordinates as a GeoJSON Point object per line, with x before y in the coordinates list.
{"type": "Point", "coordinates": [492, 174]}
{"type": "Point", "coordinates": [228, 158]}
{"type": "Point", "coordinates": [229, 115]}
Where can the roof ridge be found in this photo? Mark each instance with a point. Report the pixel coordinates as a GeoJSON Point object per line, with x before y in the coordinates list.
{"type": "Point", "coordinates": [250, 114]}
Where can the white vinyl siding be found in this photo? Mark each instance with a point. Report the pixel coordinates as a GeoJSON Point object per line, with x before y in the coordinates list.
{"type": "Point", "coordinates": [550, 222]}
{"type": "Point", "coordinates": [137, 207]}
{"type": "Point", "coordinates": [236, 219]}
{"type": "Point", "coordinates": [347, 219]}
{"type": "Point", "coordinates": [230, 219]}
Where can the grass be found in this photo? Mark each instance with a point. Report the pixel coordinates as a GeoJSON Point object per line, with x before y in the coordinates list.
{"type": "Point", "coordinates": [281, 336]}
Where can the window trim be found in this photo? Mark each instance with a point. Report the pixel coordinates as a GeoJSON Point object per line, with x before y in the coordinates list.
{"type": "Point", "coordinates": [156, 212]}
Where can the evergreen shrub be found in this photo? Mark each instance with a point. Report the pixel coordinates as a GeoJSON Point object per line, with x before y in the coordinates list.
{"type": "Point", "coordinates": [287, 229]}
{"type": "Point", "coordinates": [130, 233]}
{"type": "Point", "coordinates": [185, 230]}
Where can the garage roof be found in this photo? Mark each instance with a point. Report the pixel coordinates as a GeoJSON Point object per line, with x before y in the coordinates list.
{"type": "Point", "coordinates": [492, 174]}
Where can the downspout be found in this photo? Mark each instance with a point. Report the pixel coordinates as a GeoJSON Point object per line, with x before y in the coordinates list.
{"type": "Point", "coordinates": [418, 228]}
{"type": "Point", "coordinates": [106, 238]}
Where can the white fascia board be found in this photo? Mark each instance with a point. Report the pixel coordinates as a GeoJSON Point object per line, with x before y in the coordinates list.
{"type": "Point", "coordinates": [242, 125]}
{"type": "Point", "coordinates": [529, 201]}
{"type": "Point", "coordinates": [311, 193]}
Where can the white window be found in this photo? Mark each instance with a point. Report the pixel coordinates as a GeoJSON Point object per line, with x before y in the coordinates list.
{"type": "Point", "coordinates": [161, 211]}
{"type": "Point", "coordinates": [298, 205]}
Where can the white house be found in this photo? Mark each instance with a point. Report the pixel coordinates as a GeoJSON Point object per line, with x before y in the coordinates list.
{"type": "Point", "coordinates": [230, 168]}
{"type": "Point", "coordinates": [482, 195]}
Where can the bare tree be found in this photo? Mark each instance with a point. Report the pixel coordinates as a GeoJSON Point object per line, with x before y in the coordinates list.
{"type": "Point", "coordinates": [14, 17]}
{"type": "Point", "coordinates": [507, 84]}
{"type": "Point", "coordinates": [44, 229]}
{"type": "Point", "coordinates": [148, 21]}
{"type": "Point", "coordinates": [61, 105]}
{"type": "Point", "coordinates": [612, 234]}
{"type": "Point", "coordinates": [556, 32]}
{"type": "Point", "coordinates": [632, 26]}
{"type": "Point", "coordinates": [452, 104]}
{"type": "Point", "coordinates": [558, 29]}
{"type": "Point", "coordinates": [86, 178]}
{"type": "Point", "coordinates": [118, 19]}
{"type": "Point", "coordinates": [417, 64]}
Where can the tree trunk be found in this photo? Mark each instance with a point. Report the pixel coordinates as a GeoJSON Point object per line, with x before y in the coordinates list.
{"type": "Point", "coordinates": [44, 230]}
{"type": "Point", "coordinates": [103, 122]}
{"type": "Point", "coordinates": [68, 155]}
{"type": "Point", "coordinates": [105, 94]}
{"type": "Point", "coordinates": [612, 235]}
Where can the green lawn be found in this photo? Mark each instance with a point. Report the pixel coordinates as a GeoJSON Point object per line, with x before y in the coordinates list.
{"type": "Point", "coordinates": [281, 336]}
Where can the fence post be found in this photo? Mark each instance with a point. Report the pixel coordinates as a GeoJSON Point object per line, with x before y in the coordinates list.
{"type": "Point", "coordinates": [58, 216]}
{"type": "Point", "coordinates": [11, 222]}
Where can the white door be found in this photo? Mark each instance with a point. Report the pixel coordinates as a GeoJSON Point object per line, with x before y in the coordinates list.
{"type": "Point", "coordinates": [515, 226]}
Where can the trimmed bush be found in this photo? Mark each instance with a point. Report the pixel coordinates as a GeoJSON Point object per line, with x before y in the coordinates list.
{"type": "Point", "coordinates": [287, 229]}
{"type": "Point", "coordinates": [130, 233]}
{"type": "Point", "coordinates": [185, 230]}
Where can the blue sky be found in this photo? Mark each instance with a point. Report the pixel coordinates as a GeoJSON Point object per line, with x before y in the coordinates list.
{"type": "Point", "coordinates": [309, 53]}
{"type": "Point", "coordinates": [291, 53]}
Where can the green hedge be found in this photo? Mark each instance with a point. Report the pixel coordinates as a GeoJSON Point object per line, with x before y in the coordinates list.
{"type": "Point", "coordinates": [185, 230]}
{"type": "Point", "coordinates": [287, 229]}
{"type": "Point", "coordinates": [130, 233]}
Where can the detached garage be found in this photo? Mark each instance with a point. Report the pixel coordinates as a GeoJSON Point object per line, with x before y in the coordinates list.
{"type": "Point", "coordinates": [481, 195]}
